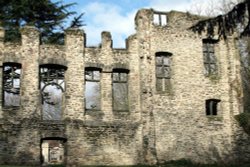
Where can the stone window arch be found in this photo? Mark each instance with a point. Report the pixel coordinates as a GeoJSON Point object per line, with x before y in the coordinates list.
{"type": "Point", "coordinates": [11, 84]}
{"type": "Point", "coordinates": [52, 87]}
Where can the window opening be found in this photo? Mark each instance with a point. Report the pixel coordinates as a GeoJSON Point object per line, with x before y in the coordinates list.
{"type": "Point", "coordinates": [11, 84]}
{"type": "Point", "coordinates": [209, 57]}
{"type": "Point", "coordinates": [92, 89]}
{"type": "Point", "coordinates": [163, 71]}
{"type": "Point", "coordinates": [160, 19]}
{"type": "Point", "coordinates": [52, 86]}
{"type": "Point", "coordinates": [120, 90]}
{"type": "Point", "coordinates": [212, 106]}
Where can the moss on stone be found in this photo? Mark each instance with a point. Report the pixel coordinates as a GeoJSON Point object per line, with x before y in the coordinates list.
{"type": "Point", "coordinates": [215, 118]}
{"type": "Point", "coordinates": [214, 77]}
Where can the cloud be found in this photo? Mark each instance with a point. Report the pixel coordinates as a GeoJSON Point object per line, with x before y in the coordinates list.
{"type": "Point", "coordinates": [167, 5]}
{"type": "Point", "coordinates": [108, 17]}
{"type": "Point", "coordinates": [118, 16]}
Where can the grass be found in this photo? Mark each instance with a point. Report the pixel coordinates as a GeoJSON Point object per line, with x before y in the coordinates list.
{"type": "Point", "coordinates": [164, 165]}
{"type": "Point", "coordinates": [179, 163]}
{"type": "Point", "coordinates": [12, 166]}
{"type": "Point", "coordinates": [30, 166]}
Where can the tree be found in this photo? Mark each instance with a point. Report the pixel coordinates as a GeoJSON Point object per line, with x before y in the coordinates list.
{"type": "Point", "coordinates": [212, 8]}
{"type": "Point", "coordinates": [227, 23]}
{"type": "Point", "coordinates": [47, 16]}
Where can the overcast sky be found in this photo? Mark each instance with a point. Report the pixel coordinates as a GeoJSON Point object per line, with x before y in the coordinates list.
{"type": "Point", "coordinates": [117, 16]}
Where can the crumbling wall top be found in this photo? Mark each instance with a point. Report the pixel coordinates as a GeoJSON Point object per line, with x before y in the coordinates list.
{"type": "Point", "coordinates": [175, 19]}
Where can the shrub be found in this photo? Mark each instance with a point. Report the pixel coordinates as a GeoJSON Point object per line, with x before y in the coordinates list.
{"type": "Point", "coordinates": [244, 121]}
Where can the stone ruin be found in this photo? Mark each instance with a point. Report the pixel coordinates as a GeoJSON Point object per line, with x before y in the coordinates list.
{"type": "Point", "coordinates": [170, 94]}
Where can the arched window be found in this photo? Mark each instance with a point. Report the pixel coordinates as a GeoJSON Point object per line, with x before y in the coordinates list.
{"type": "Point", "coordinates": [163, 71]}
{"type": "Point", "coordinates": [11, 84]}
{"type": "Point", "coordinates": [212, 106]}
{"type": "Point", "coordinates": [120, 89]}
{"type": "Point", "coordinates": [92, 88]}
{"type": "Point", "coordinates": [52, 86]}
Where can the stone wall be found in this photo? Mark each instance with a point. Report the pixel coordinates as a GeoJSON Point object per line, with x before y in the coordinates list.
{"type": "Point", "coordinates": [158, 126]}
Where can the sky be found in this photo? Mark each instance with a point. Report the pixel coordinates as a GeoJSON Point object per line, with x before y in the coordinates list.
{"type": "Point", "coordinates": [117, 16]}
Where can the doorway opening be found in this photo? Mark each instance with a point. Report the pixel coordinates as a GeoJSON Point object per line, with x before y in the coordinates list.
{"type": "Point", "coordinates": [53, 151]}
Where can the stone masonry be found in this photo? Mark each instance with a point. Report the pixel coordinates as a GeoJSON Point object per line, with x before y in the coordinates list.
{"type": "Point", "coordinates": [157, 126]}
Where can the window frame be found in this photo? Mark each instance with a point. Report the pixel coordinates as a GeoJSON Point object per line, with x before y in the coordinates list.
{"type": "Point", "coordinates": [165, 77]}
{"type": "Point", "coordinates": [49, 80]}
{"type": "Point", "coordinates": [212, 107]}
{"type": "Point", "coordinates": [120, 71]}
{"type": "Point", "coordinates": [159, 17]}
{"type": "Point", "coordinates": [92, 69]}
{"type": "Point", "coordinates": [12, 65]}
{"type": "Point", "coordinates": [209, 57]}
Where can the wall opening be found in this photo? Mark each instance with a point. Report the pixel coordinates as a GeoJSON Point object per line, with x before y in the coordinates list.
{"type": "Point", "coordinates": [53, 151]}
{"type": "Point", "coordinates": [52, 87]}
{"type": "Point", "coordinates": [120, 89]}
{"type": "Point", "coordinates": [160, 18]}
{"type": "Point", "coordinates": [209, 57]}
{"type": "Point", "coordinates": [11, 84]}
{"type": "Point", "coordinates": [92, 88]}
{"type": "Point", "coordinates": [212, 106]}
{"type": "Point", "coordinates": [163, 71]}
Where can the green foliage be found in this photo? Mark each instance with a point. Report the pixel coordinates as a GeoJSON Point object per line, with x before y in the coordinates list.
{"type": "Point", "coordinates": [244, 121]}
{"type": "Point", "coordinates": [58, 165]}
{"type": "Point", "coordinates": [13, 35]}
{"type": "Point", "coordinates": [31, 166]}
{"type": "Point", "coordinates": [12, 166]}
{"type": "Point", "coordinates": [47, 16]}
{"type": "Point", "coordinates": [177, 163]}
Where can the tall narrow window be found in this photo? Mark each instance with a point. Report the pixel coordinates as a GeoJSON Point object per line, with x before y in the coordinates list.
{"type": "Point", "coordinates": [52, 87]}
{"type": "Point", "coordinates": [120, 90]}
{"type": "Point", "coordinates": [92, 89]}
{"type": "Point", "coordinates": [212, 106]}
{"type": "Point", "coordinates": [163, 71]}
{"type": "Point", "coordinates": [11, 84]}
{"type": "Point", "coordinates": [209, 57]}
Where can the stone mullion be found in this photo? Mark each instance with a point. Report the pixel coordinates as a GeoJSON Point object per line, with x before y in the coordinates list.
{"type": "Point", "coordinates": [106, 95]}
{"type": "Point", "coordinates": [106, 79]}
{"type": "Point", "coordinates": [30, 70]}
{"type": "Point", "coordinates": [74, 75]}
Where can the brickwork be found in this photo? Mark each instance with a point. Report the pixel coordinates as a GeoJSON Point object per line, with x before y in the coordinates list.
{"type": "Point", "coordinates": [158, 126]}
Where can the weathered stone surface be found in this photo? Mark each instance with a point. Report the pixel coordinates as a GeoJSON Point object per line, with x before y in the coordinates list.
{"type": "Point", "coordinates": [159, 126]}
